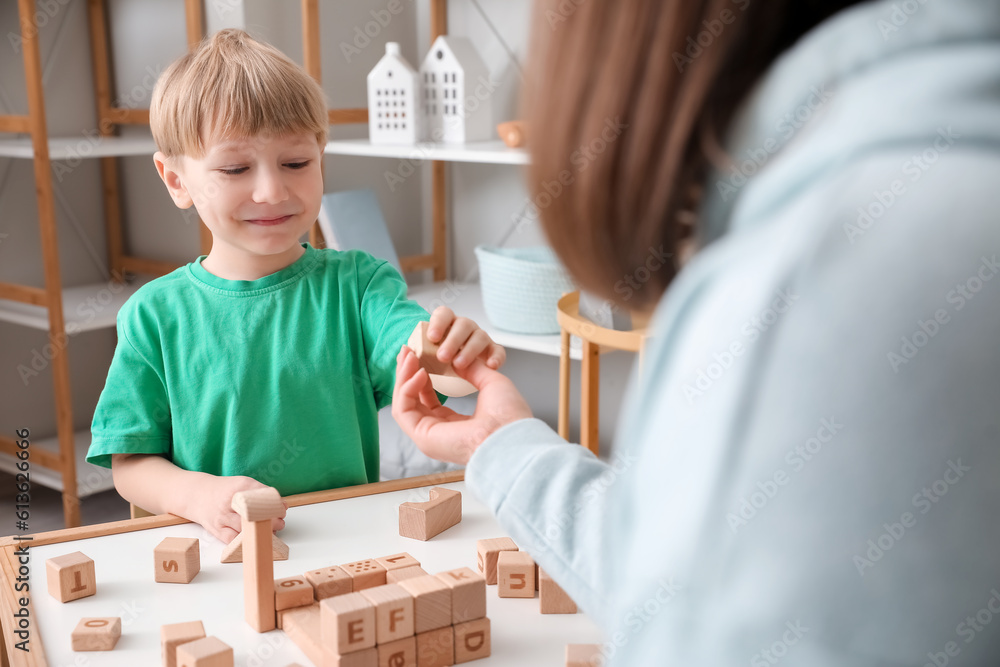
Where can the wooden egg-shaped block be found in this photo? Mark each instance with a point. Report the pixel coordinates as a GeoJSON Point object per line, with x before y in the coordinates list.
{"type": "Point", "coordinates": [552, 598]}
{"type": "Point", "coordinates": [173, 635]}
{"type": "Point", "coordinates": [468, 594]}
{"type": "Point", "coordinates": [330, 581]}
{"type": "Point", "coordinates": [486, 556]}
{"type": "Point", "coordinates": [398, 653]}
{"type": "Point", "coordinates": [436, 648]}
{"type": "Point", "coordinates": [472, 640]}
{"type": "Point", "coordinates": [207, 652]}
{"type": "Point", "coordinates": [347, 623]}
{"type": "Point", "coordinates": [515, 575]}
{"type": "Point", "coordinates": [97, 634]}
{"type": "Point", "coordinates": [292, 592]}
{"type": "Point", "coordinates": [71, 576]}
{"type": "Point", "coordinates": [365, 574]}
{"type": "Point", "coordinates": [176, 560]}
{"type": "Point", "coordinates": [431, 602]}
{"type": "Point", "coordinates": [393, 612]}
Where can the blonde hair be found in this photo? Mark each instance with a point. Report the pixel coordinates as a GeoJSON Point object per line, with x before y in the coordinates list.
{"type": "Point", "coordinates": [233, 86]}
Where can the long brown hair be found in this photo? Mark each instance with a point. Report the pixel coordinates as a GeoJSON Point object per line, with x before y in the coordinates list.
{"type": "Point", "coordinates": [626, 101]}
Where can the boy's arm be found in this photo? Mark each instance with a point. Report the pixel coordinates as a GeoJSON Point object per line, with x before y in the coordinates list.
{"type": "Point", "coordinates": [158, 486]}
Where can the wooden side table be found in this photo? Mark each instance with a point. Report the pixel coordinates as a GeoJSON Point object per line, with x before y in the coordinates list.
{"type": "Point", "coordinates": [596, 339]}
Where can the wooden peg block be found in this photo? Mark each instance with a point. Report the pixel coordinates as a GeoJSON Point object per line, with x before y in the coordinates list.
{"type": "Point", "coordinates": [584, 655]}
{"type": "Point", "coordinates": [71, 577]}
{"type": "Point", "coordinates": [422, 521]}
{"type": "Point", "coordinates": [258, 576]}
{"type": "Point", "coordinates": [233, 552]}
{"type": "Point", "coordinates": [97, 634]}
{"type": "Point", "coordinates": [208, 652]}
{"type": "Point", "coordinates": [515, 575]}
{"type": "Point", "coordinates": [176, 560]}
{"type": "Point", "coordinates": [258, 505]}
{"type": "Point", "coordinates": [436, 648]}
{"type": "Point", "coordinates": [347, 623]}
{"type": "Point", "coordinates": [486, 556]}
{"type": "Point", "coordinates": [396, 576]}
{"type": "Point", "coordinates": [393, 612]}
{"type": "Point", "coordinates": [292, 592]}
{"type": "Point", "coordinates": [302, 625]}
{"type": "Point", "coordinates": [442, 375]}
{"type": "Point", "coordinates": [365, 574]}
{"type": "Point", "coordinates": [175, 634]}
{"type": "Point", "coordinates": [552, 598]}
{"type": "Point", "coordinates": [399, 653]}
{"type": "Point", "coordinates": [330, 581]}
{"type": "Point", "coordinates": [367, 657]}
{"type": "Point", "coordinates": [431, 602]}
{"type": "Point", "coordinates": [472, 640]}
{"type": "Point", "coordinates": [397, 561]}
{"type": "Point", "coordinates": [468, 594]}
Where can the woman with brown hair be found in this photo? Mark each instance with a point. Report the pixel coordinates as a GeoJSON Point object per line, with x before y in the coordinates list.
{"type": "Point", "coordinates": [808, 465]}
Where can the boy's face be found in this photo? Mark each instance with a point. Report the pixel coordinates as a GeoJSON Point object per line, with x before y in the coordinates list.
{"type": "Point", "coordinates": [258, 196]}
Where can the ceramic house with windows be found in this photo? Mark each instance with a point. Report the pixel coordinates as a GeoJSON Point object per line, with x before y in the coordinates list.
{"type": "Point", "coordinates": [452, 112]}
{"type": "Point", "coordinates": [393, 89]}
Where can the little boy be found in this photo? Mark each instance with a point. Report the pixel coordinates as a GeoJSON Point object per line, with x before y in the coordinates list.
{"type": "Point", "coordinates": [266, 361]}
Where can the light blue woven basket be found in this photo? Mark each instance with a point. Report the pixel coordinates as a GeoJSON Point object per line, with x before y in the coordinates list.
{"type": "Point", "coordinates": [522, 287]}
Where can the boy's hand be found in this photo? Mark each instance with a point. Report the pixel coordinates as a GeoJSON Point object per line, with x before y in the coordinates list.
{"type": "Point", "coordinates": [460, 340]}
{"type": "Point", "coordinates": [212, 507]}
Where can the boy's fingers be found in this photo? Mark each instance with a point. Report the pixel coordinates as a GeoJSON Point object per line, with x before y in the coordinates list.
{"type": "Point", "coordinates": [496, 355]}
{"type": "Point", "coordinates": [227, 534]}
{"type": "Point", "coordinates": [462, 329]}
{"type": "Point", "coordinates": [441, 320]}
{"type": "Point", "coordinates": [474, 345]}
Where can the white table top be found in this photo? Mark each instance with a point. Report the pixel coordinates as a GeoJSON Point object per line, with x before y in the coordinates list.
{"type": "Point", "coordinates": [318, 535]}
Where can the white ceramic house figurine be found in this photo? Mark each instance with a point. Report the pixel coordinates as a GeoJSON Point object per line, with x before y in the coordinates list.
{"type": "Point", "coordinates": [451, 73]}
{"type": "Point", "coordinates": [393, 88]}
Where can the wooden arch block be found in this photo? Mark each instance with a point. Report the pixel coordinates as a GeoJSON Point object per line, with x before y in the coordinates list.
{"type": "Point", "coordinates": [422, 521]}
{"type": "Point", "coordinates": [71, 576]}
{"type": "Point", "coordinates": [176, 560]}
{"type": "Point", "coordinates": [97, 634]}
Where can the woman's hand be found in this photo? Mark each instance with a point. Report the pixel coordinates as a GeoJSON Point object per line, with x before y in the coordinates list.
{"type": "Point", "coordinates": [460, 341]}
{"type": "Point", "coordinates": [440, 432]}
{"type": "Point", "coordinates": [211, 505]}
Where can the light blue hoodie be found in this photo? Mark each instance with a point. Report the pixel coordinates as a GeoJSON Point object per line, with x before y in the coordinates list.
{"type": "Point", "coordinates": [809, 471]}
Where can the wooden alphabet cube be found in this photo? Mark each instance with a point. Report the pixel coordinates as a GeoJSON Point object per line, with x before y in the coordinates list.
{"type": "Point", "coordinates": [422, 521]}
{"type": "Point", "coordinates": [292, 592]}
{"type": "Point", "coordinates": [468, 594]}
{"type": "Point", "coordinates": [515, 575]}
{"type": "Point", "coordinates": [472, 640]}
{"type": "Point", "coordinates": [347, 623]}
{"type": "Point", "coordinates": [394, 617]}
{"type": "Point", "coordinates": [397, 561]}
{"type": "Point", "coordinates": [329, 581]}
{"type": "Point", "coordinates": [173, 635]}
{"type": "Point", "coordinates": [552, 598]}
{"type": "Point", "coordinates": [486, 556]}
{"type": "Point", "coordinates": [584, 655]}
{"type": "Point", "coordinates": [436, 648]}
{"type": "Point", "coordinates": [399, 653]}
{"type": "Point", "coordinates": [176, 560]}
{"type": "Point", "coordinates": [97, 634]}
{"type": "Point", "coordinates": [367, 657]}
{"type": "Point", "coordinates": [208, 652]}
{"type": "Point", "coordinates": [71, 577]}
{"type": "Point", "coordinates": [365, 574]}
{"type": "Point", "coordinates": [395, 576]}
{"type": "Point", "coordinates": [431, 602]}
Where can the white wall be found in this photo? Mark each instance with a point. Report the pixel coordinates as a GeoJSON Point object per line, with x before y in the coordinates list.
{"type": "Point", "coordinates": [146, 36]}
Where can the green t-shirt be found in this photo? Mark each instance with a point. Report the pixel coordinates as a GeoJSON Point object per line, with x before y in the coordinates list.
{"type": "Point", "coordinates": [279, 379]}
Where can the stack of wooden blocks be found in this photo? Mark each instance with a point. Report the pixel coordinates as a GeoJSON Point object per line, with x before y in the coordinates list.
{"type": "Point", "coordinates": [385, 611]}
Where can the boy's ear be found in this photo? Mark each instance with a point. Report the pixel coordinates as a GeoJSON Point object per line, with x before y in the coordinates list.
{"type": "Point", "coordinates": [171, 176]}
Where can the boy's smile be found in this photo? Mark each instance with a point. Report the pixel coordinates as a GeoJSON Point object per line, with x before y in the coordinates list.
{"type": "Point", "coordinates": [257, 196]}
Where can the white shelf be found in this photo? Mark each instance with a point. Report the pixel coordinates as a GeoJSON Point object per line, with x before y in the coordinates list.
{"type": "Point", "coordinates": [80, 147]}
{"type": "Point", "coordinates": [467, 301]}
{"type": "Point", "coordinates": [486, 152]}
{"type": "Point", "coordinates": [90, 479]}
{"type": "Point", "coordinates": [85, 307]}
